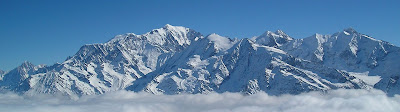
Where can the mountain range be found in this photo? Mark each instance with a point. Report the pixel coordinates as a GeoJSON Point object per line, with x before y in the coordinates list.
{"type": "Point", "coordinates": [176, 60]}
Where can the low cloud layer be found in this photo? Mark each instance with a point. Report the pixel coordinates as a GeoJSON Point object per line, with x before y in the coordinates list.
{"type": "Point", "coordinates": [126, 101]}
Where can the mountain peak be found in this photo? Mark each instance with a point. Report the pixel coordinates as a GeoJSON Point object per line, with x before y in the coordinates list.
{"type": "Point", "coordinates": [349, 31]}
{"type": "Point", "coordinates": [168, 33]}
{"type": "Point", "coordinates": [27, 64]}
{"type": "Point", "coordinates": [277, 33]}
{"type": "Point", "coordinates": [280, 32]}
{"type": "Point", "coordinates": [267, 33]}
{"type": "Point", "coordinates": [176, 28]}
{"type": "Point", "coordinates": [221, 42]}
{"type": "Point", "coordinates": [316, 35]}
{"type": "Point", "coordinates": [167, 26]}
{"type": "Point", "coordinates": [170, 29]}
{"type": "Point", "coordinates": [272, 39]}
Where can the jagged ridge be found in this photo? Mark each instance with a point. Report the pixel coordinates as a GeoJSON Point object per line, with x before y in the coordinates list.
{"type": "Point", "coordinates": [174, 60]}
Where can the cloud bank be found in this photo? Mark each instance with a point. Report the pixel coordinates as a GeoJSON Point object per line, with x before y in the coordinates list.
{"type": "Point", "coordinates": [126, 101]}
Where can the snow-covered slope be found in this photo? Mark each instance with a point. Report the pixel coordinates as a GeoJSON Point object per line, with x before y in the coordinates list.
{"type": "Point", "coordinates": [114, 65]}
{"type": "Point", "coordinates": [242, 67]}
{"type": "Point", "coordinates": [354, 52]}
{"type": "Point", "coordinates": [18, 78]}
{"type": "Point", "coordinates": [254, 67]}
{"type": "Point", "coordinates": [174, 60]}
{"type": "Point", "coordinates": [197, 69]}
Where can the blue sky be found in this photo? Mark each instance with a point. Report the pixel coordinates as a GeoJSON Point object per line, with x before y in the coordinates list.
{"type": "Point", "coordinates": [48, 31]}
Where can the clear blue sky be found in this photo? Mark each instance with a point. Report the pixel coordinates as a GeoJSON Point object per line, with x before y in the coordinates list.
{"type": "Point", "coordinates": [47, 31]}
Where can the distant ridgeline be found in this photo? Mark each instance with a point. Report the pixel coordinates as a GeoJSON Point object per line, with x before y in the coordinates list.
{"type": "Point", "coordinates": [175, 60]}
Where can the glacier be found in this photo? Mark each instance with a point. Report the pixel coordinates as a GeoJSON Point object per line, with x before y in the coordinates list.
{"type": "Point", "coordinates": [180, 60]}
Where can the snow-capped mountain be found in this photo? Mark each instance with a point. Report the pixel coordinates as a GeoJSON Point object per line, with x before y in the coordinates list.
{"type": "Point", "coordinates": [351, 51]}
{"type": "Point", "coordinates": [175, 59]}
{"type": "Point", "coordinates": [18, 78]}
{"type": "Point", "coordinates": [242, 66]}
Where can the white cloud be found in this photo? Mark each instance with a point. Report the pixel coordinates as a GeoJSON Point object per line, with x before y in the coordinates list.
{"type": "Point", "coordinates": [126, 101]}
